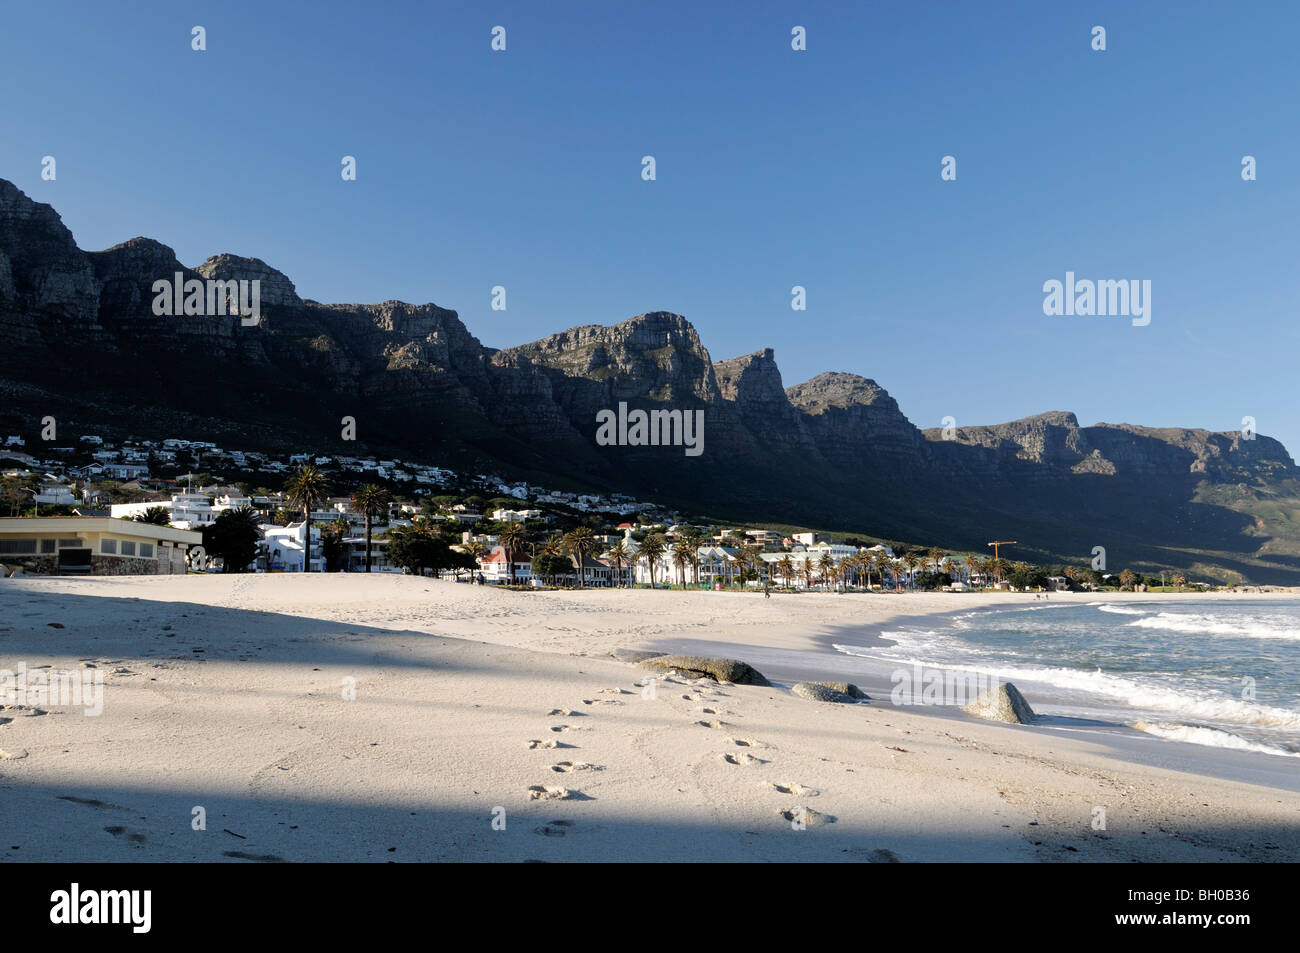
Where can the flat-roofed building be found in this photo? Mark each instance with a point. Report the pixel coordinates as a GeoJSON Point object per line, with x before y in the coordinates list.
{"type": "Point", "coordinates": [98, 546]}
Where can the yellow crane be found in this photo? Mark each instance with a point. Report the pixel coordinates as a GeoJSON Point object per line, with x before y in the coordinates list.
{"type": "Point", "coordinates": [1000, 542]}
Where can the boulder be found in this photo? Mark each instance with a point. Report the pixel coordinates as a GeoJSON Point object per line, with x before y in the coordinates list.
{"type": "Point", "coordinates": [718, 669]}
{"type": "Point", "coordinates": [1003, 703]}
{"type": "Point", "coordinates": [841, 692]}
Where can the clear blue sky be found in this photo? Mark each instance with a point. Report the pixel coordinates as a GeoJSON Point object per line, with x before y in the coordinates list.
{"type": "Point", "coordinates": [775, 168]}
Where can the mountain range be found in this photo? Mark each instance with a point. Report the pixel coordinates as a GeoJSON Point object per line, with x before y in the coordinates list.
{"type": "Point", "coordinates": [79, 341]}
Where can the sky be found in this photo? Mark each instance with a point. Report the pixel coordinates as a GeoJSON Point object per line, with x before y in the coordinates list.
{"type": "Point", "coordinates": [774, 168]}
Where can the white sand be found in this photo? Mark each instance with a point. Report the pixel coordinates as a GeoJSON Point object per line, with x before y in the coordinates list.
{"type": "Point", "coordinates": [455, 683]}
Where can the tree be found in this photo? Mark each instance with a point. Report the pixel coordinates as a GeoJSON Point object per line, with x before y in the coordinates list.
{"type": "Point", "coordinates": [581, 543]}
{"type": "Point", "coordinates": [827, 566]}
{"type": "Point", "coordinates": [618, 554]}
{"type": "Point", "coordinates": [652, 548]}
{"type": "Point", "coordinates": [154, 516]}
{"type": "Point", "coordinates": [372, 501]}
{"type": "Point", "coordinates": [306, 489]}
{"type": "Point", "coordinates": [232, 537]}
{"type": "Point", "coordinates": [680, 560]}
{"type": "Point", "coordinates": [911, 560]}
{"type": "Point", "coordinates": [786, 567]}
{"type": "Point", "coordinates": [1127, 578]}
{"type": "Point", "coordinates": [332, 549]}
{"type": "Point", "coordinates": [744, 559]}
{"type": "Point", "coordinates": [690, 540]}
{"type": "Point", "coordinates": [1179, 580]}
{"type": "Point", "coordinates": [513, 540]}
{"type": "Point", "coordinates": [1025, 577]}
{"type": "Point", "coordinates": [929, 580]}
{"type": "Point", "coordinates": [476, 548]}
{"type": "Point", "coordinates": [550, 565]}
{"type": "Point", "coordinates": [419, 547]}
{"type": "Point", "coordinates": [14, 490]}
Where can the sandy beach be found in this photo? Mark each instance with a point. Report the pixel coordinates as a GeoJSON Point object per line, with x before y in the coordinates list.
{"type": "Point", "coordinates": [495, 725]}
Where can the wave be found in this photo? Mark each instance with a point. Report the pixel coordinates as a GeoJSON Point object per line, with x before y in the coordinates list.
{"type": "Point", "coordinates": [1204, 735]}
{"type": "Point", "coordinates": [1135, 694]}
{"type": "Point", "coordinates": [1211, 624]}
{"type": "Point", "coordinates": [1118, 610]}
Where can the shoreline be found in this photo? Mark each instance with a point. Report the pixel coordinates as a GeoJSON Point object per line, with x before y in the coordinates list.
{"type": "Point", "coordinates": [1126, 742]}
{"type": "Point", "coordinates": [224, 692]}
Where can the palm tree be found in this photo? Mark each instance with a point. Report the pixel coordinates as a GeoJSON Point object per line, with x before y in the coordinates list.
{"type": "Point", "coordinates": [305, 490]}
{"type": "Point", "coordinates": [581, 543]}
{"type": "Point", "coordinates": [827, 566]}
{"type": "Point", "coordinates": [786, 567]}
{"type": "Point", "coordinates": [911, 560]}
{"type": "Point", "coordinates": [691, 540]}
{"type": "Point", "coordinates": [372, 501]}
{"type": "Point", "coordinates": [155, 516]}
{"type": "Point", "coordinates": [681, 559]}
{"type": "Point", "coordinates": [513, 541]}
{"type": "Point", "coordinates": [937, 556]}
{"type": "Point", "coordinates": [746, 557]}
{"type": "Point", "coordinates": [476, 548]}
{"type": "Point", "coordinates": [652, 548]}
{"type": "Point", "coordinates": [618, 554]}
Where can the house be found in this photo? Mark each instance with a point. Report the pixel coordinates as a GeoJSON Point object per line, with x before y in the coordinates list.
{"type": "Point", "coordinates": [97, 546]}
{"type": "Point", "coordinates": [187, 509]}
{"type": "Point", "coordinates": [515, 516]}
{"type": "Point", "coordinates": [496, 568]}
{"type": "Point", "coordinates": [58, 494]}
{"type": "Point", "coordinates": [282, 548]}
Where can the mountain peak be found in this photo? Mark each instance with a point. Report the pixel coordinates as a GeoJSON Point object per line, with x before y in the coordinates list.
{"type": "Point", "coordinates": [276, 288]}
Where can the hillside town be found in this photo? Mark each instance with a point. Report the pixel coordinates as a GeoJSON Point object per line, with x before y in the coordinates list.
{"type": "Point", "coordinates": [176, 506]}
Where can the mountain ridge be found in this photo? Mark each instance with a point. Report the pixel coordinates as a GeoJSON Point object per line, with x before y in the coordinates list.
{"type": "Point", "coordinates": [78, 334]}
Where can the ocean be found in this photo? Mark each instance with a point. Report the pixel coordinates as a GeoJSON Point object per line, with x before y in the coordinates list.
{"type": "Point", "coordinates": [1218, 673]}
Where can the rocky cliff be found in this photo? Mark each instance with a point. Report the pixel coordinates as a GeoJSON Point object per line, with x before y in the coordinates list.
{"type": "Point", "coordinates": [79, 339]}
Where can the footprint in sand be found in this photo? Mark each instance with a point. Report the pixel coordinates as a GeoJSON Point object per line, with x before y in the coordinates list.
{"type": "Point", "coordinates": [134, 837]}
{"type": "Point", "coordinates": [744, 742]}
{"type": "Point", "coordinates": [16, 755]}
{"type": "Point", "coordinates": [809, 817]}
{"type": "Point", "coordinates": [616, 691]}
{"type": "Point", "coordinates": [710, 724]}
{"type": "Point", "coordinates": [743, 759]}
{"type": "Point", "coordinates": [568, 728]}
{"type": "Point", "coordinates": [260, 858]}
{"type": "Point", "coordinates": [564, 767]}
{"type": "Point", "coordinates": [799, 790]}
{"type": "Point", "coordinates": [601, 701]}
{"type": "Point", "coordinates": [565, 713]}
{"type": "Point", "coordinates": [553, 829]}
{"type": "Point", "coordinates": [23, 711]}
{"type": "Point", "coordinates": [540, 792]}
